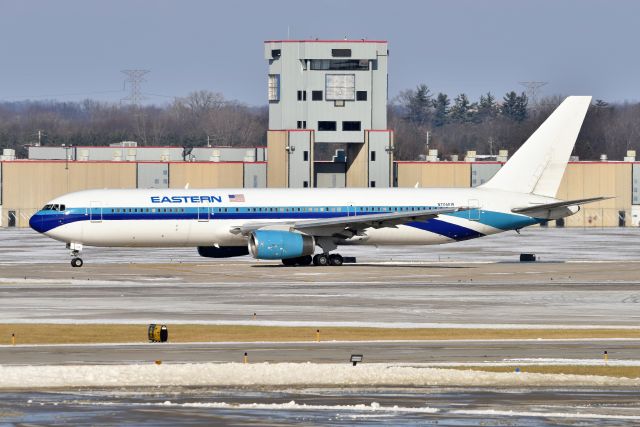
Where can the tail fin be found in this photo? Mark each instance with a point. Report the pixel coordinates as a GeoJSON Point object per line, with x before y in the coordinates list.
{"type": "Point", "coordinates": [537, 167]}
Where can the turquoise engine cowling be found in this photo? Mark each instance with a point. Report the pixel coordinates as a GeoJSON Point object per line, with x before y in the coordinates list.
{"type": "Point", "coordinates": [275, 244]}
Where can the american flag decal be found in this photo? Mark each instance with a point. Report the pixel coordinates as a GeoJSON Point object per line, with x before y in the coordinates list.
{"type": "Point", "coordinates": [236, 197]}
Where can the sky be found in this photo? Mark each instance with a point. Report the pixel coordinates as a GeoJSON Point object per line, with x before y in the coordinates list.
{"type": "Point", "coordinates": [75, 49]}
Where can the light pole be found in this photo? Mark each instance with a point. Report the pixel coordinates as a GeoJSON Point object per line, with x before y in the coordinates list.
{"type": "Point", "coordinates": [66, 155]}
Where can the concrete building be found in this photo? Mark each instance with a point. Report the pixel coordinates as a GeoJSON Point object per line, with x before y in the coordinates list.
{"type": "Point", "coordinates": [328, 92]}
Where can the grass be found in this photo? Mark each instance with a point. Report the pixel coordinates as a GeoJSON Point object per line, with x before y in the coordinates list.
{"type": "Point", "coordinates": [109, 333]}
{"type": "Point", "coordinates": [600, 370]}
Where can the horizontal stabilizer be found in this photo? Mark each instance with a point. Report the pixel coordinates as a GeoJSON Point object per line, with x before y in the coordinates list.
{"type": "Point", "coordinates": [564, 204]}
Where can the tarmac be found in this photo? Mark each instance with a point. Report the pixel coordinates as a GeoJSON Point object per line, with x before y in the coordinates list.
{"type": "Point", "coordinates": [503, 294]}
{"type": "Point", "coordinates": [465, 351]}
{"type": "Point", "coordinates": [584, 279]}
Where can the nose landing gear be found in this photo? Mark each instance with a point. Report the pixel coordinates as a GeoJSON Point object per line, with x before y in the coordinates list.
{"type": "Point", "coordinates": [75, 248]}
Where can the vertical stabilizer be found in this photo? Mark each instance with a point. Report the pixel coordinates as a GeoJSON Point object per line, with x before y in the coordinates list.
{"type": "Point", "coordinates": [537, 167]}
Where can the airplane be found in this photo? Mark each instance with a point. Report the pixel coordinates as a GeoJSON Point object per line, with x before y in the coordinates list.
{"type": "Point", "coordinates": [291, 224]}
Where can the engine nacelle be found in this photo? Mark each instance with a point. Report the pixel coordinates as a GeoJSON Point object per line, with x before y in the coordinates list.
{"type": "Point", "coordinates": [222, 251]}
{"type": "Point", "coordinates": [275, 244]}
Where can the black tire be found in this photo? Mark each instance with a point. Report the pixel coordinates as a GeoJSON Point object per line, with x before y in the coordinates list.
{"type": "Point", "coordinates": [76, 262]}
{"type": "Point", "coordinates": [321, 260]}
{"type": "Point", "coordinates": [305, 260]}
{"type": "Point", "coordinates": [336, 260]}
{"type": "Point", "coordinates": [289, 262]}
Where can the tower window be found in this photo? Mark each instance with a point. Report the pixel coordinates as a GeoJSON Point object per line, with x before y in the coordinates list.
{"type": "Point", "coordinates": [326, 126]}
{"type": "Point", "coordinates": [361, 95]}
{"type": "Point", "coordinates": [275, 53]}
{"type": "Point", "coordinates": [341, 53]}
{"type": "Point", "coordinates": [305, 156]}
{"type": "Point", "coordinates": [373, 156]}
{"type": "Point", "coordinates": [351, 126]}
{"type": "Point", "coordinates": [316, 95]}
{"type": "Point", "coordinates": [302, 95]}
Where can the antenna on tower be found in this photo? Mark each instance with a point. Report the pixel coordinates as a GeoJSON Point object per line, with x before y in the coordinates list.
{"type": "Point", "coordinates": [532, 91]}
{"type": "Point", "coordinates": [135, 78]}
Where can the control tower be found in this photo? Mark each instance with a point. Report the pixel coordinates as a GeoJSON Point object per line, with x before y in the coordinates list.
{"type": "Point", "coordinates": [328, 92]}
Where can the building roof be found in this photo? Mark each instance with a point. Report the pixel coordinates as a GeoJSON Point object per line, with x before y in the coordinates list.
{"type": "Point", "coordinates": [326, 41]}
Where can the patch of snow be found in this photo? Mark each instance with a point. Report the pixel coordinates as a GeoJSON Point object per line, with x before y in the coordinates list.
{"type": "Point", "coordinates": [280, 374]}
{"type": "Point", "coordinates": [574, 415]}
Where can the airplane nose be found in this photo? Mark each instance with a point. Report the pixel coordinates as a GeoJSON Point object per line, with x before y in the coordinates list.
{"type": "Point", "coordinates": [36, 222]}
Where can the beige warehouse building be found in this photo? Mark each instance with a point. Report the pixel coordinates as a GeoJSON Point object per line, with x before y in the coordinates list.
{"type": "Point", "coordinates": [26, 185]}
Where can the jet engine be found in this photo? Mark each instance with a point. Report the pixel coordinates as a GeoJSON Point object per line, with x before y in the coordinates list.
{"type": "Point", "coordinates": [275, 244]}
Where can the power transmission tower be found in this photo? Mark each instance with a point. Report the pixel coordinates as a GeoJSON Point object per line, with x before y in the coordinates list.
{"type": "Point", "coordinates": [134, 79]}
{"type": "Point", "coordinates": [532, 91]}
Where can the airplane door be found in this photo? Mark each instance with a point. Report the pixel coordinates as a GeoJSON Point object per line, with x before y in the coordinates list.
{"type": "Point", "coordinates": [474, 211]}
{"type": "Point", "coordinates": [95, 211]}
{"type": "Point", "coordinates": [204, 213]}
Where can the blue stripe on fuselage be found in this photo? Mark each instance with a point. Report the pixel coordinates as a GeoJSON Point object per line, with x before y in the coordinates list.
{"type": "Point", "coordinates": [44, 221]}
{"type": "Point", "coordinates": [446, 229]}
{"type": "Point", "coordinates": [500, 220]}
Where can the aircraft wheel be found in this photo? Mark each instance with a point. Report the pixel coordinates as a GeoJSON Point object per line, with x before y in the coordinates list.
{"type": "Point", "coordinates": [76, 262]}
{"type": "Point", "coordinates": [336, 260]}
{"type": "Point", "coordinates": [321, 260]}
{"type": "Point", "coordinates": [289, 262]}
{"type": "Point", "coordinates": [305, 260]}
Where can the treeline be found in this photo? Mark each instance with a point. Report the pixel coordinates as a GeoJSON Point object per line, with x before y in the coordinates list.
{"type": "Point", "coordinates": [186, 122]}
{"type": "Point", "coordinates": [489, 124]}
{"type": "Point", "coordinates": [452, 126]}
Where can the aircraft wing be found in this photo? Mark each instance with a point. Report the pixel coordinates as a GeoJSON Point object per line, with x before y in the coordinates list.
{"type": "Point", "coordinates": [346, 225]}
{"type": "Point", "coordinates": [563, 204]}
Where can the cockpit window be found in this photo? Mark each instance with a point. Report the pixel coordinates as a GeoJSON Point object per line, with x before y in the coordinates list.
{"type": "Point", "coordinates": [59, 208]}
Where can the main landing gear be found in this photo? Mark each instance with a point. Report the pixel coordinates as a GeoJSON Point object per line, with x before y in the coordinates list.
{"type": "Point", "coordinates": [75, 248]}
{"type": "Point", "coordinates": [320, 260]}
{"type": "Point", "coordinates": [328, 259]}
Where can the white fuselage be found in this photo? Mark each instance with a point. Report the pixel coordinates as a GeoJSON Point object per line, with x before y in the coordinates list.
{"type": "Point", "coordinates": [205, 217]}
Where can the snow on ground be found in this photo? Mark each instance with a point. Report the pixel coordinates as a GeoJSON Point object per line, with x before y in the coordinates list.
{"type": "Point", "coordinates": [531, 362]}
{"type": "Point", "coordinates": [281, 374]}
{"type": "Point", "coordinates": [374, 409]}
